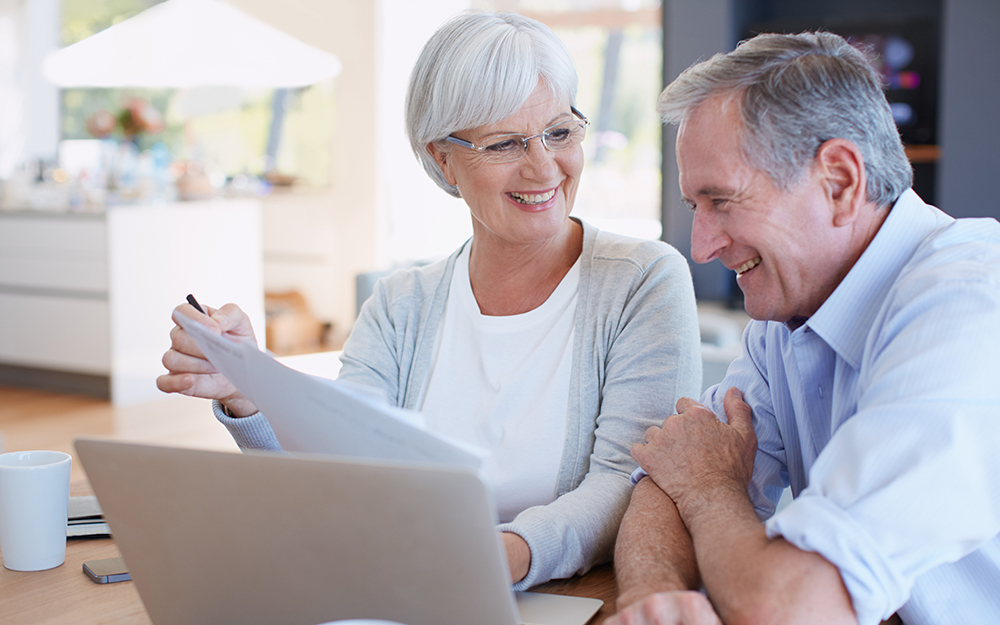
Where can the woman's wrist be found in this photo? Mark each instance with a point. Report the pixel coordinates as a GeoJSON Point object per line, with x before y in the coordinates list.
{"type": "Point", "coordinates": [518, 556]}
{"type": "Point", "coordinates": [238, 408]}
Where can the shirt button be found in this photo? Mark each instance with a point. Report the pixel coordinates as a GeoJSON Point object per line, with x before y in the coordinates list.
{"type": "Point", "coordinates": [819, 389]}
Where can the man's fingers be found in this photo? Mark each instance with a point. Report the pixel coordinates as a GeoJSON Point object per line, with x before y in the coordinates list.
{"type": "Point", "coordinates": [637, 451]}
{"type": "Point", "coordinates": [738, 412]}
{"type": "Point", "coordinates": [650, 433]}
{"type": "Point", "coordinates": [684, 403]}
{"type": "Point", "coordinates": [668, 608]}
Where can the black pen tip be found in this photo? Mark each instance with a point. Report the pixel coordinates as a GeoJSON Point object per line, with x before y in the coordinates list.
{"type": "Point", "coordinates": [191, 300]}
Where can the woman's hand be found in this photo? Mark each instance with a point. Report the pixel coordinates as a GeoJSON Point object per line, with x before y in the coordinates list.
{"type": "Point", "coordinates": [518, 556]}
{"type": "Point", "coordinates": [190, 373]}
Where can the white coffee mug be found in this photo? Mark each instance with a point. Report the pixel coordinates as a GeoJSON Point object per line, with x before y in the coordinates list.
{"type": "Point", "coordinates": [34, 495]}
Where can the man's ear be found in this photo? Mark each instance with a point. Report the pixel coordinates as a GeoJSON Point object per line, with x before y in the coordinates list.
{"type": "Point", "coordinates": [842, 172]}
{"type": "Point", "coordinates": [441, 156]}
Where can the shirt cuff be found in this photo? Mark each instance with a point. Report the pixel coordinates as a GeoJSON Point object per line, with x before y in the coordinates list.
{"type": "Point", "coordinates": [543, 560]}
{"type": "Point", "coordinates": [815, 524]}
{"type": "Point", "coordinates": [252, 432]}
{"type": "Point", "coordinates": [637, 475]}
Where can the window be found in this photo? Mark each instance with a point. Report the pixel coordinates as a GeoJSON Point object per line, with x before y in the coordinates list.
{"type": "Point", "coordinates": [618, 50]}
{"type": "Point", "coordinates": [230, 131]}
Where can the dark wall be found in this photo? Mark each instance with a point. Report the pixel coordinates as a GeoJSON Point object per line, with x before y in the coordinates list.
{"type": "Point", "coordinates": [968, 95]}
{"type": "Point", "coordinates": [692, 30]}
{"type": "Point", "coordinates": [969, 114]}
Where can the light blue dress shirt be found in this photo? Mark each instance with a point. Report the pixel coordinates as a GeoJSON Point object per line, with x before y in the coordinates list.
{"type": "Point", "coordinates": [882, 411]}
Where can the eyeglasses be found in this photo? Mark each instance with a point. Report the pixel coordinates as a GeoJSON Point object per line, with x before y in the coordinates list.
{"type": "Point", "coordinates": [509, 148]}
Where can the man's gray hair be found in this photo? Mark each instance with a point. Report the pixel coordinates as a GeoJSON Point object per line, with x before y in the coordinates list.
{"type": "Point", "coordinates": [794, 93]}
{"type": "Point", "coordinates": [478, 68]}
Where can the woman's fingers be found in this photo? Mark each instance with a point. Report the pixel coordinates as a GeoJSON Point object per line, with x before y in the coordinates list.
{"type": "Point", "coordinates": [179, 362]}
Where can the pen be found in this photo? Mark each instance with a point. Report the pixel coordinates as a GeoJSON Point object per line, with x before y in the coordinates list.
{"type": "Point", "coordinates": [191, 300]}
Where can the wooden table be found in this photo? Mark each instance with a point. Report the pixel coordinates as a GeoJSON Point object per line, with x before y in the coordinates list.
{"type": "Point", "coordinates": [65, 595]}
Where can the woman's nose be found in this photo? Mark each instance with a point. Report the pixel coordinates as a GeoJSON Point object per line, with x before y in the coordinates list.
{"type": "Point", "coordinates": [538, 161]}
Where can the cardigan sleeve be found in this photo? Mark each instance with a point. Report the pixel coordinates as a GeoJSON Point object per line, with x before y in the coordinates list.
{"type": "Point", "coordinates": [641, 348]}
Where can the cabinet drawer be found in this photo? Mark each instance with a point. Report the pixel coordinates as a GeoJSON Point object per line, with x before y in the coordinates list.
{"type": "Point", "coordinates": [55, 333]}
{"type": "Point", "coordinates": [58, 254]}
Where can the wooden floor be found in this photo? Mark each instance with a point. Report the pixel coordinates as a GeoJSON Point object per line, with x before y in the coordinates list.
{"type": "Point", "coordinates": [33, 419]}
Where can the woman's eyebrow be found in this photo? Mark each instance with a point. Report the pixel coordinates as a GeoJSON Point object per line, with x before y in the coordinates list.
{"type": "Point", "coordinates": [552, 122]}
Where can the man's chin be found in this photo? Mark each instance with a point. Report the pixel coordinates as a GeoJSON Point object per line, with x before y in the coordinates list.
{"type": "Point", "coordinates": [759, 310]}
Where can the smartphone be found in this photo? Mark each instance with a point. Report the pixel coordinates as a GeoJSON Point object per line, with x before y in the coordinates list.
{"type": "Point", "coordinates": [106, 571]}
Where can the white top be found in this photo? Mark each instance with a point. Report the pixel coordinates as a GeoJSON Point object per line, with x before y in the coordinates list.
{"type": "Point", "coordinates": [635, 350]}
{"type": "Point", "coordinates": [502, 383]}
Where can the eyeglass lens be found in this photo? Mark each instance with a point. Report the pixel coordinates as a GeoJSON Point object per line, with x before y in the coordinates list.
{"type": "Point", "coordinates": [555, 138]}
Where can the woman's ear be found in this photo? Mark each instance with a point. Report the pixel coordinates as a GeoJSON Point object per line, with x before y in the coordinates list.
{"type": "Point", "coordinates": [442, 157]}
{"type": "Point", "coordinates": [842, 170]}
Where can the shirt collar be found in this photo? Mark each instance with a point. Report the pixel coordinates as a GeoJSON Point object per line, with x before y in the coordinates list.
{"type": "Point", "coordinates": [845, 318]}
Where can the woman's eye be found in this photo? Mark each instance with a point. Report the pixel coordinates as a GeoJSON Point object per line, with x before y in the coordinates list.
{"type": "Point", "coordinates": [507, 145]}
{"type": "Point", "coordinates": [557, 135]}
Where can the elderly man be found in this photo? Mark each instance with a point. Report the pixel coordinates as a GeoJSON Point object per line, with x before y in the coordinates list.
{"type": "Point", "coordinates": [868, 376]}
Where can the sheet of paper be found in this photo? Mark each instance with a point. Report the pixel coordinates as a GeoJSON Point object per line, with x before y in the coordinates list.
{"type": "Point", "coordinates": [314, 415]}
{"type": "Point", "coordinates": [84, 508]}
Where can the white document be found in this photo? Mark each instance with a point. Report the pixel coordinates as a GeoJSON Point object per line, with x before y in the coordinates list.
{"type": "Point", "coordinates": [315, 415]}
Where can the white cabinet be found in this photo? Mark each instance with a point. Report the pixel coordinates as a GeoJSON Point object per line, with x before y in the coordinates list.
{"type": "Point", "coordinates": [92, 293]}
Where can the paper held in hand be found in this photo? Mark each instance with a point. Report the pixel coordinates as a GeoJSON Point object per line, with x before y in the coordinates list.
{"type": "Point", "coordinates": [310, 414]}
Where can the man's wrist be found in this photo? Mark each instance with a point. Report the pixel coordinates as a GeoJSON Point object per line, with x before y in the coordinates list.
{"type": "Point", "coordinates": [705, 503]}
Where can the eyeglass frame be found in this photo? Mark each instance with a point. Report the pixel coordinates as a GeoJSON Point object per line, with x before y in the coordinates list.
{"type": "Point", "coordinates": [525, 141]}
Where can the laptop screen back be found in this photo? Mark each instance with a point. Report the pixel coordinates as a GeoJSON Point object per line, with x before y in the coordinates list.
{"type": "Point", "coordinates": [214, 537]}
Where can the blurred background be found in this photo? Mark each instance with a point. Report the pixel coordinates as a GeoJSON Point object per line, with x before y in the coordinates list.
{"type": "Point", "coordinates": [254, 151]}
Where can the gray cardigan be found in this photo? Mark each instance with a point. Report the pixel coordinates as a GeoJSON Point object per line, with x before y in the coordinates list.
{"type": "Point", "coordinates": [635, 352]}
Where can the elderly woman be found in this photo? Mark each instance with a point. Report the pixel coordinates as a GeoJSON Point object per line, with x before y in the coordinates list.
{"type": "Point", "coordinates": [549, 343]}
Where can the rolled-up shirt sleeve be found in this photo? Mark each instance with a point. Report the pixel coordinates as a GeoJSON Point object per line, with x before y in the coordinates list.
{"type": "Point", "coordinates": [910, 478]}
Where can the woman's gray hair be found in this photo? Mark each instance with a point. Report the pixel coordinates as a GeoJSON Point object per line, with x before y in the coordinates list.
{"type": "Point", "coordinates": [794, 93]}
{"type": "Point", "coordinates": [478, 68]}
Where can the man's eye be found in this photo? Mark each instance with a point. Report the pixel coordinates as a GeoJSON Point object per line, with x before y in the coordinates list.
{"type": "Point", "coordinates": [558, 135]}
{"type": "Point", "coordinates": [506, 145]}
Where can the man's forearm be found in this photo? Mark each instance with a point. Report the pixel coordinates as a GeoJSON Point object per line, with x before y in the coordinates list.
{"type": "Point", "coordinates": [753, 579]}
{"type": "Point", "coordinates": [654, 552]}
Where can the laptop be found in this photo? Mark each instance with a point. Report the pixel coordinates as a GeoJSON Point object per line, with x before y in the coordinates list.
{"type": "Point", "coordinates": [217, 537]}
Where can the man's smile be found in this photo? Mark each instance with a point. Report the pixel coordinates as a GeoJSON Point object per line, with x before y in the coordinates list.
{"type": "Point", "coordinates": [747, 266]}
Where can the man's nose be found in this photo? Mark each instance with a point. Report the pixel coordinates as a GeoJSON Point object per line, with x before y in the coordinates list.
{"type": "Point", "coordinates": [707, 237]}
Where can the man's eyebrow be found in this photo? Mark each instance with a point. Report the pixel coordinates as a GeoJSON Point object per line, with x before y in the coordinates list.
{"type": "Point", "coordinates": [710, 191]}
{"type": "Point", "coordinates": [715, 191]}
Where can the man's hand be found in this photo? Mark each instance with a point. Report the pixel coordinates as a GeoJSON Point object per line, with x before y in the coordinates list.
{"type": "Point", "coordinates": [678, 607]}
{"type": "Point", "coordinates": [694, 453]}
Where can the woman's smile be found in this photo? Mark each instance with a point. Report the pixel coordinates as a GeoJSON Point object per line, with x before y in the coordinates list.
{"type": "Point", "coordinates": [532, 200]}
